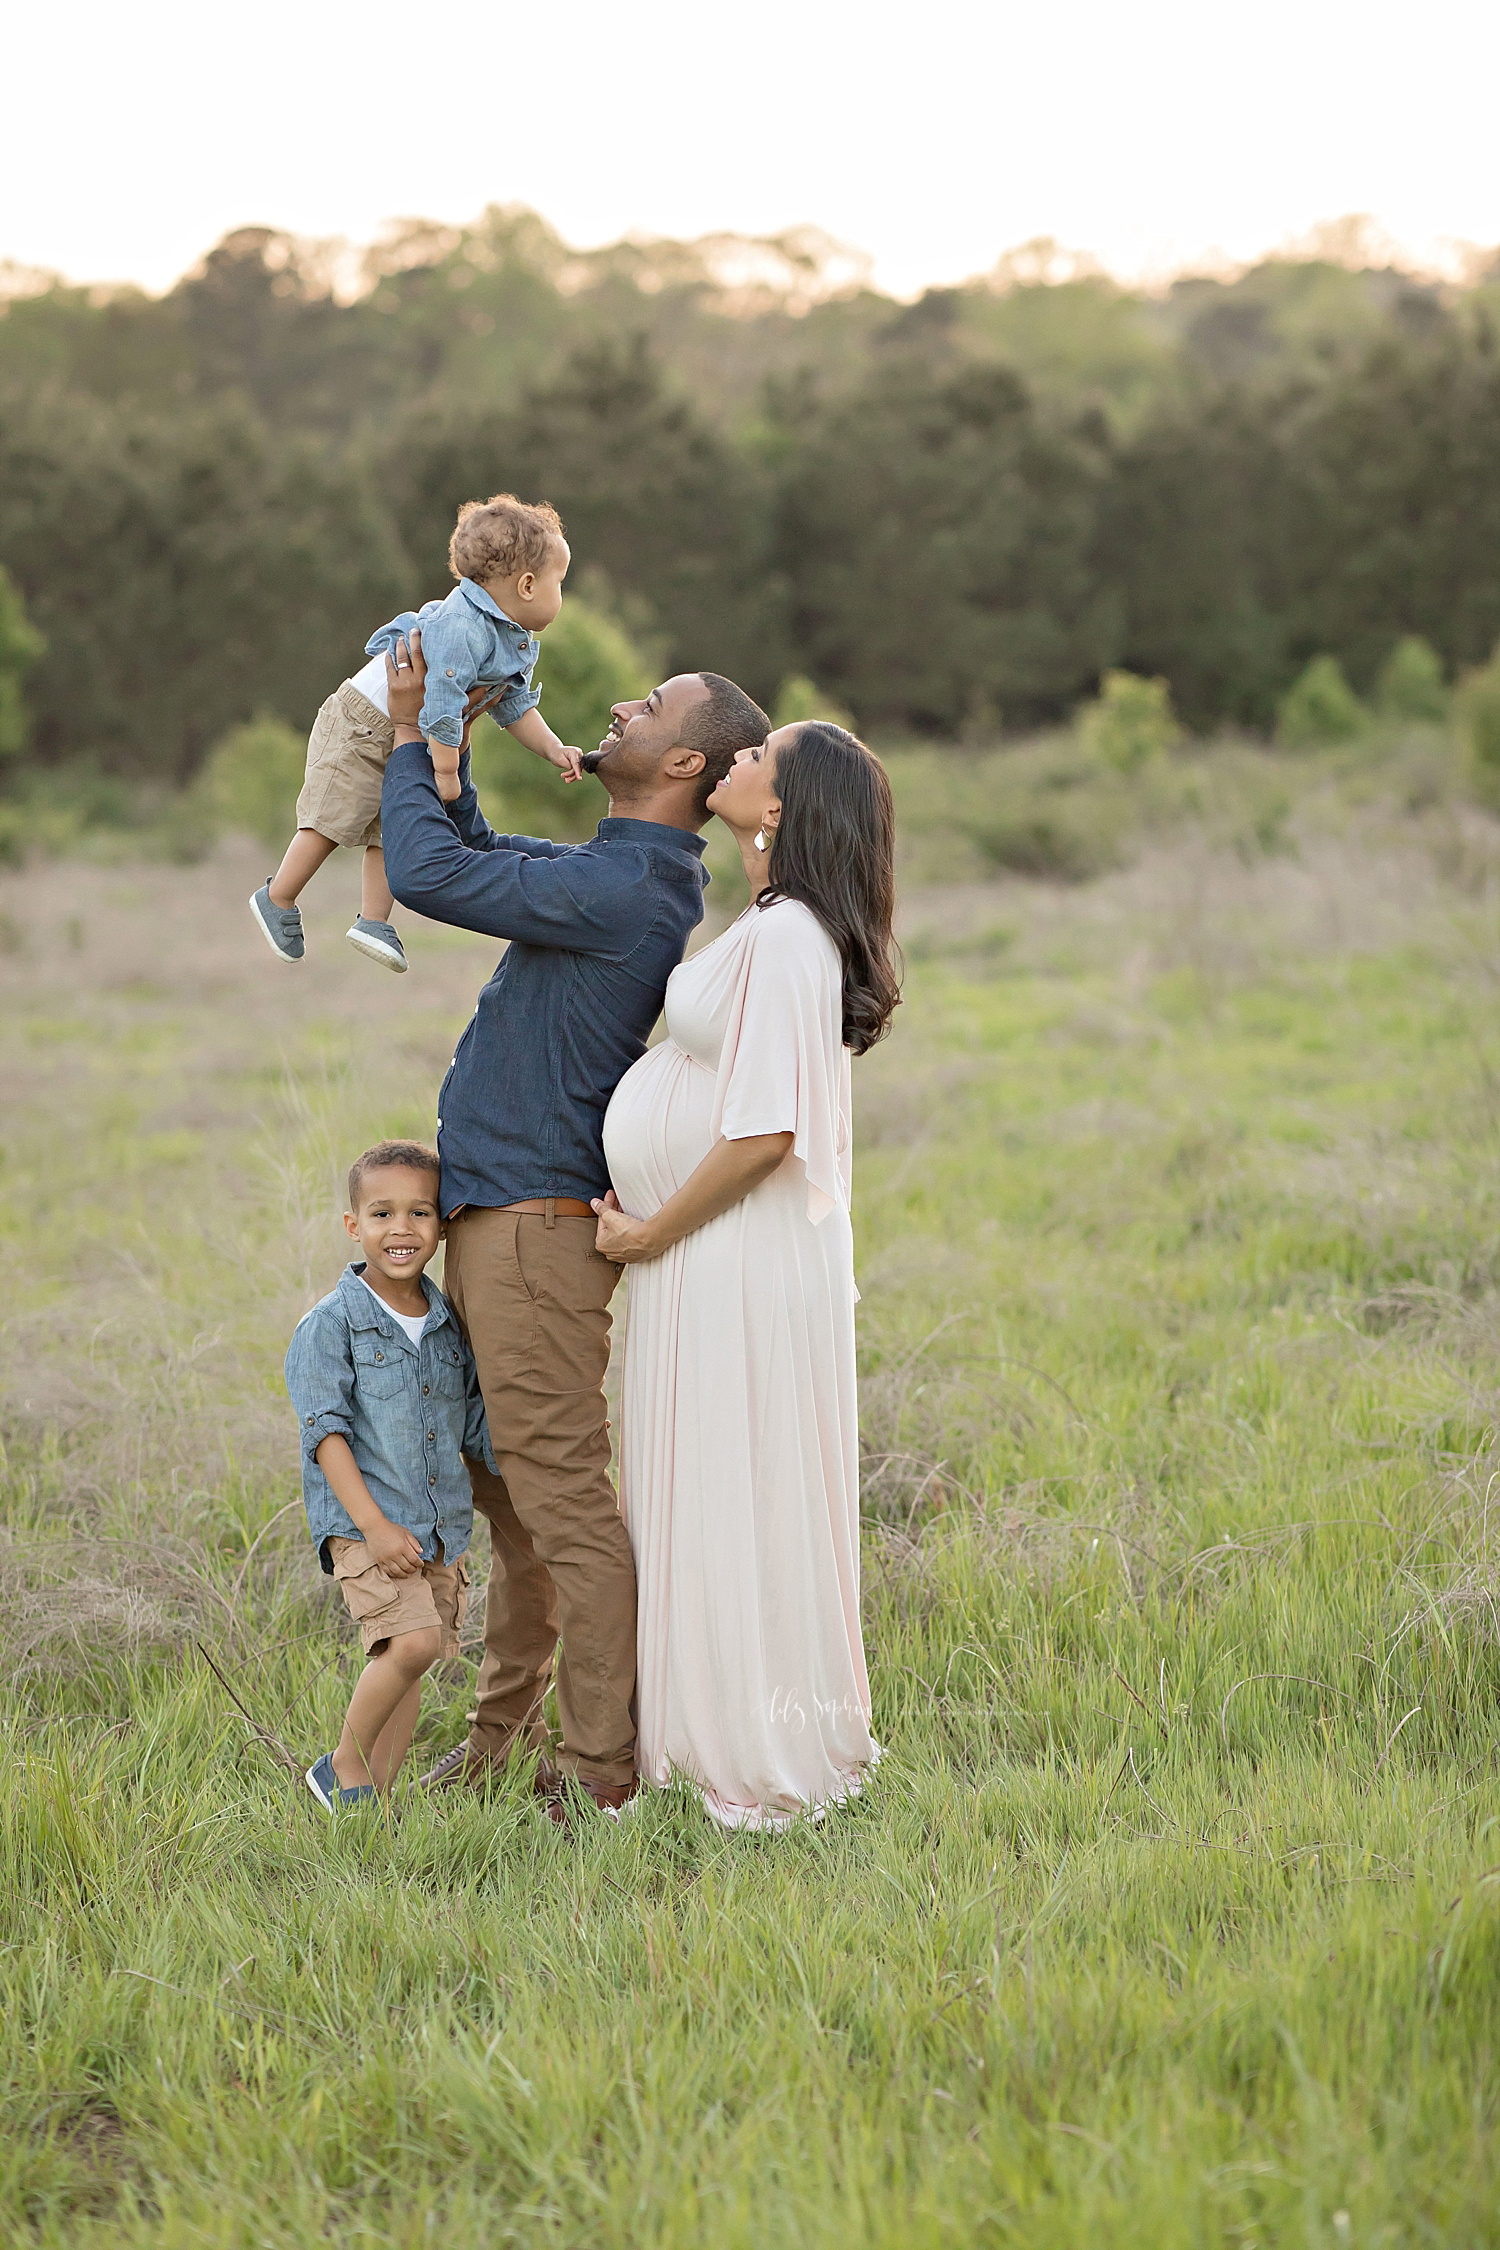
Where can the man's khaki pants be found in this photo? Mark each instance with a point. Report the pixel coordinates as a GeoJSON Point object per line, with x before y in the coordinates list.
{"type": "Point", "coordinates": [532, 1294]}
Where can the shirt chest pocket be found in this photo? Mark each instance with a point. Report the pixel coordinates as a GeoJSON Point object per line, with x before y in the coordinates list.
{"type": "Point", "coordinates": [447, 1372]}
{"type": "Point", "coordinates": [377, 1367]}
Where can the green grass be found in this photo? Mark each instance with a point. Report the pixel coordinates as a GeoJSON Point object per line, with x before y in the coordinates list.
{"type": "Point", "coordinates": [1172, 1915]}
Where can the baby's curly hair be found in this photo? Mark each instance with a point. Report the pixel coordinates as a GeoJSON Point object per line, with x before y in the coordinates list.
{"type": "Point", "coordinates": [502, 536]}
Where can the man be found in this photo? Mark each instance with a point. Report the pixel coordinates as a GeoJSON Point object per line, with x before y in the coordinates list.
{"type": "Point", "coordinates": [595, 931]}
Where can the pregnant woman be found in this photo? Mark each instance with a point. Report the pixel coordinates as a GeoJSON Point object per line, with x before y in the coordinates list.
{"type": "Point", "coordinates": [729, 1148]}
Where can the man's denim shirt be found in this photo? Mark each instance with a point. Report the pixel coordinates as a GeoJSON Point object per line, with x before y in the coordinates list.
{"type": "Point", "coordinates": [409, 1412]}
{"type": "Point", "coordinates": [466, 642]}
{"type": "Point", "coordinates": [595, 931]}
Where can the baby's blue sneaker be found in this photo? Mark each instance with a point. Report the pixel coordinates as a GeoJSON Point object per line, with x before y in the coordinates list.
{"type": "Point", "coordinates": [280, 926]}
{"type": "Point", "coordinates": [325, 1786]}
{"type": "Point", "coordinates": [380, 941]}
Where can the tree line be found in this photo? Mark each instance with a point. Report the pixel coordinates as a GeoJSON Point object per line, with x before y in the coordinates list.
{"type": "Point", "coordinates": [952, 515]}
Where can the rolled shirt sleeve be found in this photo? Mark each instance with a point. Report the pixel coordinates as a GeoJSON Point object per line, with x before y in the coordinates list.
{"type": "Point", "coordinates": [459, 650]}
{"type": "Point", "coordinates": [320, 1380]}
{"type": "Point", "coordinates": [519, 698]}
{"type": "Point", "coordinates": [452, 667]}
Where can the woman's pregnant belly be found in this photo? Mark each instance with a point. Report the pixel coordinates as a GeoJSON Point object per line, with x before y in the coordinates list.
{"type": "Point", "coordinates": [657, 1129]}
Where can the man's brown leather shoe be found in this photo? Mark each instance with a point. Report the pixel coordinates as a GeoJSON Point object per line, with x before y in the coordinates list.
{"type": "Point", "coordinates": [562, 1801]}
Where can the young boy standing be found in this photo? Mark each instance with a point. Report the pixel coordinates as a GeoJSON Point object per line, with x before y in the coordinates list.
{"type": "Point", "coordinates": [510, 559]}
{"type": "Point", "coordinates": [388, 1404]}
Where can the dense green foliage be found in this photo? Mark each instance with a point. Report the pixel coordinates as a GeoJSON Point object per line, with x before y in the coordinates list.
{"type": "Point", "coordinates": [1319, 707]}
{"type": "Point", "coordinates": [250, 781]}
{"type": "Point", "coordinates": [1130, 723]}
{"type": "Point", "coordinates": [1409, 684]}
{"type": "Point", "coordinates": [1479, 718]}
{"type": "Point", "coordinates": [948, 514]}
{"type": "Point", "coordinates": [20, 646]}
{"type": "Point", "coordinates": [1172, 1915]}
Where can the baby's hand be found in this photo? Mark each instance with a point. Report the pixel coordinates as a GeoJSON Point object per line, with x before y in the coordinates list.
{"type": "Point", "coordinates": [449, 787]}
{"type": "Point", "coordinates": [568, 761]}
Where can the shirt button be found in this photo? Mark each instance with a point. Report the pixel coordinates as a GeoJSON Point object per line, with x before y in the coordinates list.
{"type": "Point", "coordinates": [426, 1387]}
{"type": "Point", "coordinates": [450, 671]}
{"type": "Point", "coordinates": [432, 1480]}
{"type": "Point", "coordinates": [431, 1435]}
{"type": "Point", "coordinates": [309, 1421]}
{"type": "Point", "coordinates": [380, 1355]}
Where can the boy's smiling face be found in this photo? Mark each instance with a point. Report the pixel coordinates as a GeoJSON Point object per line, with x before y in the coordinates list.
{"type": "Point", "coordinates": [397, 1226]}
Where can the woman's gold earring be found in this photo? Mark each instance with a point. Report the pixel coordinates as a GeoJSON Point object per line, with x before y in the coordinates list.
{"type": "Point", "coordinates": [760, 840]}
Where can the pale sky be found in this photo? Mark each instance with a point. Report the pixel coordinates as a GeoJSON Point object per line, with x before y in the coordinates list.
{"type": "Point", "coordinates": [933, 136]}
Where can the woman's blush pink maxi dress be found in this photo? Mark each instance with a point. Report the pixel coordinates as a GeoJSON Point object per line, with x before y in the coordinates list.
{"type": "Point", "coordinates": [739, 1464]}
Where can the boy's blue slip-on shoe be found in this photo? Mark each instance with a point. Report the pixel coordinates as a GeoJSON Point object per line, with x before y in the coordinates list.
{"type": "Point", "coordinates": [280, 926]}
{"type": "Point", "coordinates": [380, 942]}
{"type": "Point", "coordinates": [326, 1787]}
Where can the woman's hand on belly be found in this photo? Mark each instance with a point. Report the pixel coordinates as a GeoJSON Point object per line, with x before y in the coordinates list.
{"type": "Point", "coordinates": [726, 1176]}
{"type": "Point", "coordinates": [627, 1241]}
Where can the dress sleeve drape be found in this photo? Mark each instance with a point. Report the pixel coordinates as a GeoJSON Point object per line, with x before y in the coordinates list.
{"type": "Point", "coordinates": [783, 1067]}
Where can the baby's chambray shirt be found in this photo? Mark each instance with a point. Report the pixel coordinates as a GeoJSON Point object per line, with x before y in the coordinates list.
{"type": "Point", "coordinates": [467, 641]}
{"type": "Point", "coordinates": [409, 1411]}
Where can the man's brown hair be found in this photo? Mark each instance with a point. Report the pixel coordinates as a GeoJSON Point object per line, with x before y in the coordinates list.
{"type": "Point", "coordinates": [502, 536]}
{"type": "Point", "coordinates": [412, 1154]}
{"type": "Point", "coordinates": [722, 725]}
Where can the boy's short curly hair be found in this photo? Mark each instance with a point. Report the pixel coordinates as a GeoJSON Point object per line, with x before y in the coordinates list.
{"type": "Point", "coordinates": [414, 1155]}
{"type": "Point", "coordinates": [502, 536]}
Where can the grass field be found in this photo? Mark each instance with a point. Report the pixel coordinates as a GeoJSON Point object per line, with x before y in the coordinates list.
{"type": "Point", "coordinates": [1174, 1915]}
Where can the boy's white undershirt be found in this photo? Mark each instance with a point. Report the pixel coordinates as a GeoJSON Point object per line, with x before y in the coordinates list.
{"type": "Point", "coordinates": [413, 1323]}
{"type": "Point", "coordinates": [370, 680]}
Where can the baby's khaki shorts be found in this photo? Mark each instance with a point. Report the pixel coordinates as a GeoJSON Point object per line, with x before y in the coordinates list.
{"type": "Point", "coordinates": [381, 1606]}
{"type": "Point", "coordinates": [346, 754]}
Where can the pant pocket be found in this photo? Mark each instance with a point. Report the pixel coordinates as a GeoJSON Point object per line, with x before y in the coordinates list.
{"type": "Point", "coordinates": [526, 1267]}
{"type": "Point", "coordinates": [366, 1589]}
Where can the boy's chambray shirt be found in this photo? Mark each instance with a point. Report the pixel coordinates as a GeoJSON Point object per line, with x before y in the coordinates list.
{"type": "Point", "coordinates": [467, 641]}
{"type": "Point", "coordinates": [409, 1411]}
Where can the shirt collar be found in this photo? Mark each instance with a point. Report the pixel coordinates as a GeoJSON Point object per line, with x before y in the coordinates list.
{"type": "Point", "coordinates": [615, 828]}
{"type": "Point", "coordinates": [485, 601]}
{"type": "Point", "coordinates": [364, 1308]}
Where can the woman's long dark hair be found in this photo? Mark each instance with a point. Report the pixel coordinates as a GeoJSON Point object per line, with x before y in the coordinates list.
{"type": "Point", "coordinates": [835, 850]}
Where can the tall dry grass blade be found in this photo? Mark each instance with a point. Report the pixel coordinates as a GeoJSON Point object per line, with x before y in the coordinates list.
{"type": "Point", "coordinates": [277, 1748]}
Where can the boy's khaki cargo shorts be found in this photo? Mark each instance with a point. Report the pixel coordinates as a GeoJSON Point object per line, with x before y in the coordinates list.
{"type": "Point", "coordinates": [437, 1595]}
{"type": "Point", "coordinates": [346, 754]}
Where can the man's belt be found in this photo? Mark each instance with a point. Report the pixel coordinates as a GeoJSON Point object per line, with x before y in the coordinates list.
{"type": "Point", "coordinates": [552, 1207]}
